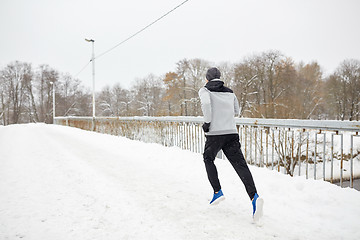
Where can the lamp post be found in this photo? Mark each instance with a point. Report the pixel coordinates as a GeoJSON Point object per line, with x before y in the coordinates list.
{"type": "Point", "coordinates": [93, 78]}
{"type": "Point", "coordinates": [53, 89]}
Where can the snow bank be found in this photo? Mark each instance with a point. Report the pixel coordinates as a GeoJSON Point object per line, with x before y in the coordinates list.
{"type": "Point", "coordinates": [64, 183]}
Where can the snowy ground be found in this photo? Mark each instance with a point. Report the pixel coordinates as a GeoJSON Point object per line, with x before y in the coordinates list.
{"type": "Point", "coordinates": [64, 183]}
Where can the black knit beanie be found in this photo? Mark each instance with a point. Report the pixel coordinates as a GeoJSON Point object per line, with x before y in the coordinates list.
{"type": "Point", "coordinates": [213, 73]}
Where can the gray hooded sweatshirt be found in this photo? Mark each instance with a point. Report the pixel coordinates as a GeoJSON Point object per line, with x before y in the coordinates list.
{"type": "Point", "coordinates": [219, 106]}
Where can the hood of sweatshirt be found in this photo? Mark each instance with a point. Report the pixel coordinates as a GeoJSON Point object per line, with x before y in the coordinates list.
{"type": "Point", "coordinates": [216, 85]}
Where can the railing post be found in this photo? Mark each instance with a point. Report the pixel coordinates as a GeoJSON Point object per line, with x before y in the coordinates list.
{"type": "Point", "coordinates": [261, 148]}
{"type": "Point", "coordinates": [315, 155]}
{"type": "Point", "coordinates": [299, 153]}
{"type": "Point", "coordinates": [251, 134]}
{"type": "Point", "coordinates": [324, 157]}
{"type": "Point", "coordinates": [307, 155]}
{"type": "Point", "coordinates": [245, 140]}
{"type": "Point", "coordinates": [332, 158]}
{"type": "Point", "coordinates": [273, 149]}
{"type": "Point", "coordinates": [267, 147]}
{"type": "Point", "coordinates": [255, 129]}
{"type": "Point", "coordinates": [279, 151]}
{"type": "Point", "coordinates": [292, 154]}
{"type": "Point", "coordinates": [285, 153]}
{"type": "Point", "coordinates": [352, 159]}
{"type": "Point", "coordinates": [342, 161]}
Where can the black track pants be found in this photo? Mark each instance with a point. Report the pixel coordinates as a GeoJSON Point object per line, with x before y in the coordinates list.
{"type": "Point", "coordinates": [231, 147]}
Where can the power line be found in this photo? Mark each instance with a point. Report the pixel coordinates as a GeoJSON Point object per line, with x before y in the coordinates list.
{"type": "Point", "coordinates": [127, 39]}
{"type": "Point", "coordinates": [82, 69]}
{"type": "Point", "coordinates": [102, 54]}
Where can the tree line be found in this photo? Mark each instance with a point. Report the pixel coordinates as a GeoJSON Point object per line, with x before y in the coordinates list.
{"type": "Point", "coordinates": [267, 84]}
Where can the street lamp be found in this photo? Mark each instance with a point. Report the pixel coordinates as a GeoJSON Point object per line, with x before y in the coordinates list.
{"type": "Point", "coordinates": [93, 77]}
{"type": "Point", "coordinates": [53, 88]}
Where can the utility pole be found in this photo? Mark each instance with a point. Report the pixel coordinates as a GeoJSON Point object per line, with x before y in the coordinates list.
{"type": "Point", "coordinates": [53, 88]}
{"type": "Point", "coordinates": [93, 78]}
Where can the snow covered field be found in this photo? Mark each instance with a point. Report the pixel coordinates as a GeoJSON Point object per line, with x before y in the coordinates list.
{"type": "Point", "coordinates": [62, 183]}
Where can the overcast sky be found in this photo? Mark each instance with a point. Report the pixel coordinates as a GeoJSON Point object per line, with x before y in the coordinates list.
{"type": "Point", "coordinates": [52, 32]}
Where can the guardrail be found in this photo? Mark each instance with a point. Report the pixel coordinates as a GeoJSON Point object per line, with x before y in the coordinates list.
{"type": "Point", "coordinates": [318, 149]}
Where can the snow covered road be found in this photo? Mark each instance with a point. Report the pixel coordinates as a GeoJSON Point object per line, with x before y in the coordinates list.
{"type": "Point", "coordinates": [63, 183]}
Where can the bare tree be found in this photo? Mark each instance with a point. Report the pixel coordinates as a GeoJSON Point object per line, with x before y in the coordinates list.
{"type": "Point", "coordinates": [16, 78]}
{"type": "Point", "coordinates": [148, 93]}
{"type": "Point", "coordinates": [122, 100]}
{"type": "Point", "coordinates": [349, 74]}
{"type": "Point", "coordinates": [191, 73]}
{"type": "Point", "coordinates": [105, 106]}
{"type": "Point", "coordinates": [308, 91]}
{"type": "Point", "coordinates": [114, 101]}
{"type": "Point", "coordinates": [70, 97]}
{"type": "Point", "coordinates": [243, 84]}
{"type": "Point", "coordinates": [4, 98]}
{"type": "Point", "coordinates": [173, 94]}
{"type": "Point", "coordinates": [344, 90]}
{"type": "Point", "coordinates": [44, 77]}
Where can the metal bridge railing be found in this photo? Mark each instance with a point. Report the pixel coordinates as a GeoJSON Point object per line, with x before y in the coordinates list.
{"type": "Point", "coordinates": [318, 149]}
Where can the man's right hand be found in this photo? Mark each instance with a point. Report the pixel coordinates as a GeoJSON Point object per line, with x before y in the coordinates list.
{"type": "Point", "coordinates": [206, 127]}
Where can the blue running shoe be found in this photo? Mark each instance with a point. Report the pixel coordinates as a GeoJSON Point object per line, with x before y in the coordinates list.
{"type": "Point", "coordinates": [257, 204]}
{"type": "Point", "coordinates": [218, 197]}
